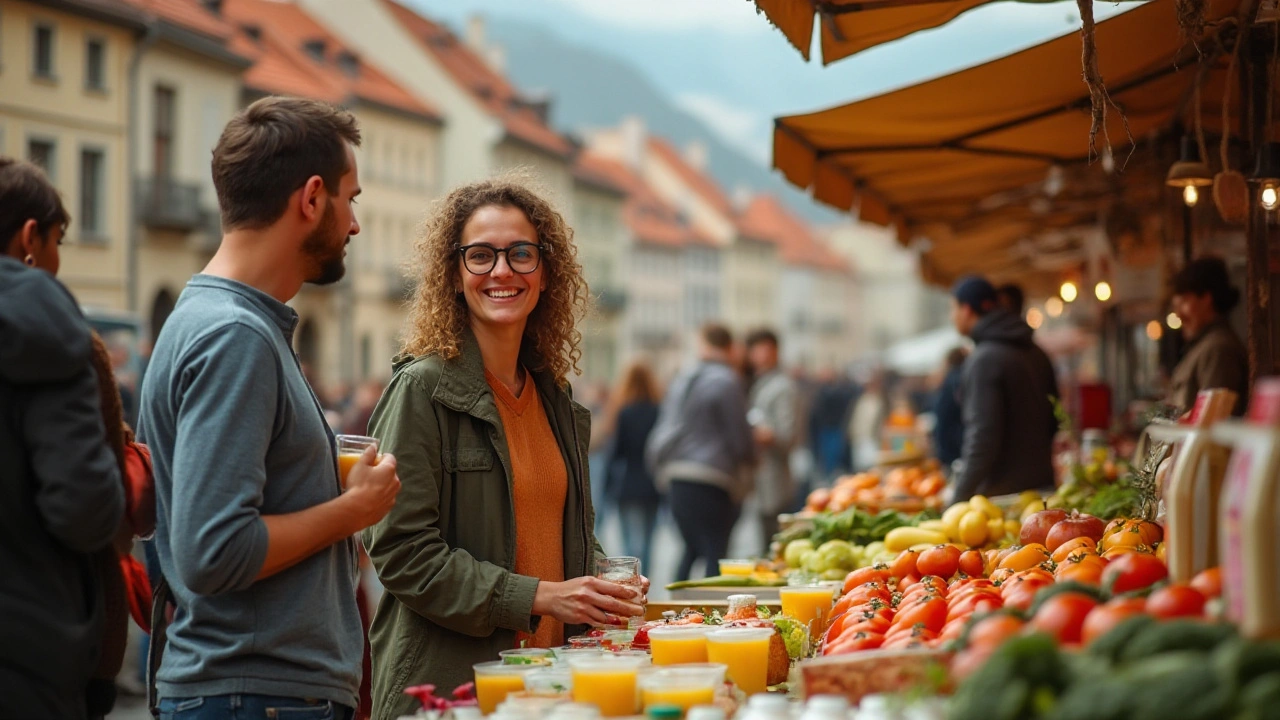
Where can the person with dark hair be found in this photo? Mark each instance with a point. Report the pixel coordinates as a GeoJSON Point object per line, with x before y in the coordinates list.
{"type": "Point", "coordinates": [62, 494]}
{"type": "Point", "coordinates": [1011, 298]}
{"type": "Point", "coordinates": [492, 545]}
{"type": "Point", "coordinates": [1007, 389]}
{"type": "Point", "coordinates": [1203, 298]}
{"type": "Point", "coordinates": [948, 410]}
{"type": "Point", "coordinates": [772, 416]}
{"type": "Point", "coordinates": [702, 448]}
{"type": "Point", "coordinates": [254, 524]}
{"type": "Point", "coordinates": [628, 482]}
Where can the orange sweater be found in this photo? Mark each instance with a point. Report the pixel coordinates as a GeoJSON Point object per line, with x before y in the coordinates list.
{"type": "Point", "coordinates": [541, 482]}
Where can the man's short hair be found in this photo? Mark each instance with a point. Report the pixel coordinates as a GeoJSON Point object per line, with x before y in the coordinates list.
{"type": "Point", "coordinates": [762, 335]}
{"type": "Point", "coordinates": [270, 149]}
{"type": "Point", "coordinates": [1011, 296]}
{"type": "Point", "coordinates": [26, 194]}
{"type": "Point", "coordinates": [717, 336]}
{"type": "Point", "coordinates": [977, 293]}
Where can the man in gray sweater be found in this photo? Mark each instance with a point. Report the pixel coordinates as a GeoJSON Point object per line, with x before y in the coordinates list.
{"type": "Point", "coordinates": [700, 451]}
{"type": "Point", "coordinates": [254, 529]}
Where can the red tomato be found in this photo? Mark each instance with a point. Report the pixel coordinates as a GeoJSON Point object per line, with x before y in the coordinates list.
{"type": "Point", "coordinates": [914, 638]}
{"type": "Point", "coordinates": [1087, 570]}
{"type": "Point", "coordinates": [976, 602]}
{"type": "Point", "coordinates": [876, 573]}
{"type": "Point", "coordinates": [1063, 616]}
{"type": "Point", "coordinates": [853, 643]}
{"type": "Point", "coordinates": [940, 560]}
{"type": "Point", "coordinates": [935, 583]}
{"type": "Point", "coordinates": [972, 563]}
{"type": "Point", "coordinates": [1176, 601]}
{"type": "Point", "coordinates": [953, 629]}
{"type": "Point", "coordinates": [1133, 571]}
{"type": "Point", "coordinates": [991, 631]}
{"type": "Point", "coordinates": [1020, 595]}
{"type": "Point", "coordinates": [967, 662]}
{"type": "Point", "coordinates": [1208, 583]}
{"type": "Point", "coordinates": [905, 565]}
{"type": "Point", "coordinates": [931, 613]}
{"type": "Point", "coordinates": [1103, 618]}
{"type": "Point", "coordinates": [1001, 575]}
{"type": "Point", "coordinates": [868, 591]}
{"type": "Point", "coordinates": [915, 592]}
{"type": "Point", "coordinates": [907, 582]}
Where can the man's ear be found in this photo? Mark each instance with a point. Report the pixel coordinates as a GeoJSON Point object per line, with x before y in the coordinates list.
{"type": "Point", "coordinates": [310, 203]}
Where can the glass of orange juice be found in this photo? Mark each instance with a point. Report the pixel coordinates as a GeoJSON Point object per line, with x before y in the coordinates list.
{"type": "Point", "coordinates": [809, 604]}
{"type": "Point", "coordinates": [609, 682]}
{"type": "Point", "coordinates": [350, 448]}
{"type": "Point", "coordinates": [682, 687]}
{"type": "Point", "coordinates": [745, 651]}
{"type": "Point", "coordinates": [678, 644]}
{"type": "Point", "coordinates": [495, 680]}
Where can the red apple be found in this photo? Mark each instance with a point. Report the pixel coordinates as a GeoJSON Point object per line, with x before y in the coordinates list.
{"type": "Point", "coordinates": [1036, 527]}
{"type": "Point", "coordinates": [1074, 526]}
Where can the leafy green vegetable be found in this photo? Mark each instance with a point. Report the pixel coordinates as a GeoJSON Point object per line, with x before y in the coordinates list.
{"type": "Point", "coordinates": [794, 634]}
{"type": "Point", "coordinates": [860, 527]}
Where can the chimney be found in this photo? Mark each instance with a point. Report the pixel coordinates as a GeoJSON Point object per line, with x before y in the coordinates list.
{"type": "Point", "coordinates": [475, 34]}
{"type": "Point", "coordinates": [742, 196]}
{"type": "Point", "coordinates": [695, 153]}
{"type": "Point", "coordinates": [496, 56]}
{"type": "Point", "coordinates": [634, 141]}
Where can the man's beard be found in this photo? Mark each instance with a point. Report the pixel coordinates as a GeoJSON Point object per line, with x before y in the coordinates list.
{"type": "Point", "coordinates": [319, 247]}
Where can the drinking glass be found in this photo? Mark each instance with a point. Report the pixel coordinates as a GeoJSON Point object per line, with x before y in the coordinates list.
{"type": "Point", "coordinates": [623, 570]}
{"type": "Point", "coordinates": [350, 448]}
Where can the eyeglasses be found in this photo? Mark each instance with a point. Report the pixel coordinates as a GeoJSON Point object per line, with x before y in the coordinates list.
{"type": "Point", "coordinates": [480, 259]}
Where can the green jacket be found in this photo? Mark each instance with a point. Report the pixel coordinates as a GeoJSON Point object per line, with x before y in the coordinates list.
{"type": "Point", "coordinates": [446, 551]}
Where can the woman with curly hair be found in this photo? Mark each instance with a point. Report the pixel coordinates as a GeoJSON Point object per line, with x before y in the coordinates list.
{"type": "Point", "coordinates": [490, 544]}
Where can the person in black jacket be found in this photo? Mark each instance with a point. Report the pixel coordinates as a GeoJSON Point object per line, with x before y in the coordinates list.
{"type": "Point", "coordinates": [948, 412]}
{"type": "Point", "coordinates": [1007, 390]}
{"type": "Point", "coordinates": [628, 483]}
{"type": "Point", "coordinates": [61, 495]}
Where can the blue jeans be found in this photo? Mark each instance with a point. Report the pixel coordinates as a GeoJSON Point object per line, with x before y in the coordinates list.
{"type": "Point", "coordinates": [638, 520]}
{"type": "Point", "coordinates": [251, 707]}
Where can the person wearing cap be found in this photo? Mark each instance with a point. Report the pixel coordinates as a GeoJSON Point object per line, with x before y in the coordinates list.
{"type": "Point", "coordinates": [1215, 357]}
{"type": "Point", "coordinates": [1006, 389]}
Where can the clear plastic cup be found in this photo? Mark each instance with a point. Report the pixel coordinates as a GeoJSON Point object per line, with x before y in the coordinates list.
{"type": "Point", "coordinates": [746, 653]}
{"type": "Point", "coordinates": [678, 644]}
{"type": "Point", "coordinates": [549, 682]}
{"type": "Point", "coordinates": [684, 686]}
{"type": "Point", "coordinates": [495, 680]}
{"type": "Point", "coordinates": [526, 656]}
{"type": "Point", "coordinates": [609, 682]}
{"type": "Point", "coordinates": [737, 567]}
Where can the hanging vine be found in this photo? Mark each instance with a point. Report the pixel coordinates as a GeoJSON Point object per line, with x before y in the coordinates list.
{"type": "Point", "coordinates": [1191, 17]}
{"type": "Point", "coordinates": [1099, 98]}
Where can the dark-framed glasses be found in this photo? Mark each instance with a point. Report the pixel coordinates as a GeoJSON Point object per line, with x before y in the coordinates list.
{"type": "Point", "coordinates": [480, 259]}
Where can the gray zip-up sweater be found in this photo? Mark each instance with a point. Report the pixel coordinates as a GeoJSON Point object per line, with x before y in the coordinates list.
{"type": "Point", "coordinates": [235, 434]}
{"type": "Point", "coordinates": [704, 415]}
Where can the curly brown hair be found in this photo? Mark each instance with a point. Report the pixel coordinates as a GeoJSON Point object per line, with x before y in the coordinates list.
{"type": "Point", "coordinates": [438, 313]}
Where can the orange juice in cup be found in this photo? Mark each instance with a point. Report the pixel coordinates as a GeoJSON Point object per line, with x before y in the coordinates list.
{"type": "Point", "coordinates": [350, 449]}
{"type": "Point", "coordinates": [745, 651]}
{"type": "Point", "coordinates": [608, 682]}
{"type": "Point", "coordinates": [809, 604]}
{"type": "Point", "coordinates": [496, 680]}
{"type": "Point", "coordinates": [678, 644]}
{"type": "Point", "coordinates": [684, 687]}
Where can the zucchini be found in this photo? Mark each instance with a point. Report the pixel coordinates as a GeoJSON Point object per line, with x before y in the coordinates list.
{"type": "Point", "coordinates": [721, 581]}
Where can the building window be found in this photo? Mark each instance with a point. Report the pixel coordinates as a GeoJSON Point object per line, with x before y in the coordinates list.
{"type": "Point", "coordinates": [42, 46]}
{"type": "Point", "coordinates": [45, 154]}
{"type": "Point", "coordinates": [165, 103]}
{"type": "Point", "coordinates": [91, 201]}
{"type": "Point", "coordinates": [95, 62]}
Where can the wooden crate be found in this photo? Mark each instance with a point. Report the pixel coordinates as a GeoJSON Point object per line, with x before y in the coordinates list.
{"type": "Point", "coordinates": [869, 672]}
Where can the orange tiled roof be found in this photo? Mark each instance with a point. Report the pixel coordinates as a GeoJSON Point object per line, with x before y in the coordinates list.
{"type": "Point", "coordinates": [694, 178]}
{"type": "Point", "coordinates": [650, 219]}
{"type": "Point", "coordinates": [283, 65]}
{"type": "Point", "coordinates": [597, 169]}
{"type": "Point", "coordinates": [490, 88]}
{"type": "Point", "coordinates": [766, 217]}
{"type": "Point", "coordinates": [189, 14]}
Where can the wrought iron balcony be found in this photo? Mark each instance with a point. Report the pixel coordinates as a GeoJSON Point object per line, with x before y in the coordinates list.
{"type": "Point", "coordinates": [168, 204]}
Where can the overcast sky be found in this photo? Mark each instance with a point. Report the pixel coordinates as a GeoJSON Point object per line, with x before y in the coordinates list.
{"type": "Point", "coordinates": [724, 63]}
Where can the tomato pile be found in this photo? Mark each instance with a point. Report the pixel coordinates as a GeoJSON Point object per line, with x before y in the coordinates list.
{"type": "Point", "coordinates": [973, 600]}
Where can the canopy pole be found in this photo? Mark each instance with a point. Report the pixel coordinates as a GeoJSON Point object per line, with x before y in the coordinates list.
{"type": "Point", "coordinates": [1260, 281]}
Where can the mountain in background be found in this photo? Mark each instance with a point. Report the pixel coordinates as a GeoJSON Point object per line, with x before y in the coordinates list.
{"type": "Point", "coordinates": [591, 89]}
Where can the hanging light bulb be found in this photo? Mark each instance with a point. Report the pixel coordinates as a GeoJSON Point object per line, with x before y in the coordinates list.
{"type": "Point", "coordinates": [1190, 195]}
{"type": "Point", "coordinates": [1035, 318]}
{"type": "Point", "coordinates": [1053, 306]}
{"type": "Point", "coordinates": [1173, 321]}
{"type": "Point", "coordinates": [1102, 291]}
{"type": "Point", "coordinates": [1155, 330]}
{"type": "Point", "coordinates": [1269, 197]}
{"type": "Point", "coordinates": [1069, 291]}
{"type": "Point", "coordinates": [1190, 170]}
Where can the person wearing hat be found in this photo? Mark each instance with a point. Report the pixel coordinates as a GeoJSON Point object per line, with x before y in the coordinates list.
{"type": "Point", "coordinates": [1215, 357]}
{"type": "Point", "coordinates": [1006, 392]}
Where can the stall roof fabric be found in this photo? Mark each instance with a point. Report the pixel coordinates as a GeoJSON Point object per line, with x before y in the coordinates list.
{"type": "Point", "coordinates": [851, 26]}
{"type": "Point", "coordinates": [934, 159]}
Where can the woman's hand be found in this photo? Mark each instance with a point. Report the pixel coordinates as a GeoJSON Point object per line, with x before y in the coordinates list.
{"type": "Point", "coordinates": [588, 601]}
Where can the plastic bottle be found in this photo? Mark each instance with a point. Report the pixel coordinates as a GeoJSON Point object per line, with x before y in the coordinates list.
{"type": "Point", "coordinates": [826, 707]}
{"type": "Point", "coordinates": [1250, 513]}
{"type": "Point", "coordinates": [1194, 484]}
{"type": "Point", "coordinates": [767, 706]}
{"type": "Point", "coordinates": [663, 712]}
{"type": "Point", "coordinates": [705, 712]}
